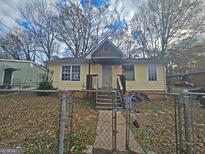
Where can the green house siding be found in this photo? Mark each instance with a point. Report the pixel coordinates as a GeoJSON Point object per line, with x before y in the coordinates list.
{"type": "Point", "coordinates": [24, 73]}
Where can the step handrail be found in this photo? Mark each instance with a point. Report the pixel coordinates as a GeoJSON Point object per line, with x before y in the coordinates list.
{"type": "Point", "coordinates": [120, 89]}
{"type": "Point", "coordinates": [120, 83]}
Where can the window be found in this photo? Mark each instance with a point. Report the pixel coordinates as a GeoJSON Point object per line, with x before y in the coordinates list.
{"type": "Point", "coordinates": [75, 73]}
{"type": "Point", "coordinates": [70, 73]}
{"type": "Point", "coordinates": [152, 72]}
{"type": "Point", "coordinates": [129, 72]}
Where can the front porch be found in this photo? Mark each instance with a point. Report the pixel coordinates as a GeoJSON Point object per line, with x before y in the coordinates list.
{"type": "Point", "coordinates": [105, 77]}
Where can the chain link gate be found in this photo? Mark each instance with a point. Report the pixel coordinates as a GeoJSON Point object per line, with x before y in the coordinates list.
{"type": "Point", "coordinates": [122, 137]}
{"type": "Point", "coordinates": [114, 124]}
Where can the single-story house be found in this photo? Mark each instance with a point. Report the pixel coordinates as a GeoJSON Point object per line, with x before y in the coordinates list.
{"type": "Point", "coordinates": [20, 74]}
{"type": "Point", "coordinates": [105, 62]}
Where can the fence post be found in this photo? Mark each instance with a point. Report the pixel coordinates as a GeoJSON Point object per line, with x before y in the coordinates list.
{"type": "Point", "coordinates": [62, 124]}
{"type": "Point", "coordinates": [114, 123]}
{"type": "Point", "coordinates": [127, 118]}
{"type": "Point", "coordinates": [69, 111]}
{"type": "Point", "coordinates": [180, 123]}
{"type": "Point", "coordinates": [188, 124]}
{"type": "Point", "coordinates": [176, 101]}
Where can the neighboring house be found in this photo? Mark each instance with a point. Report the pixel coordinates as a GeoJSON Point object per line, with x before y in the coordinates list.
{"type": "Point", "coordinates": [20, 74]}
{"type": "Point", "coordinates": [197, 78]}
{"type": "Point", "coordinates": [105, 62]}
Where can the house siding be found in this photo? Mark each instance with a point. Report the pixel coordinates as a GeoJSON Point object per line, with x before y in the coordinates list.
{"type": "Point", "coordinates": [116, 69]}
{"type": "Point", "coordinates": [140, 83]}
{"type": "Point", "coordinates": [27, 74]}
{"type": "Point", "coordinates": [73, 85]}
{"type": "Point", "coordinates": [96, 69]}
{"type": "Point", "coordinates": [141, 79]}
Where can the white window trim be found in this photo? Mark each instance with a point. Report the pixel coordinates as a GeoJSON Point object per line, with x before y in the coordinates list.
{"type": "Point", "coordinates": [148, 73]}
{"type": "Point", "coordinates": [70, 71]}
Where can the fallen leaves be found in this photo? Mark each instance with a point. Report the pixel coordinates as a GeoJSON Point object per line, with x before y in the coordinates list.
{"type": "Point", "coordinates": [32, 122]}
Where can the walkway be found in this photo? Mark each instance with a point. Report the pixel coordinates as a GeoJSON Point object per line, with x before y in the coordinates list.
{"type": "Point", "coordinates": [103, 142]}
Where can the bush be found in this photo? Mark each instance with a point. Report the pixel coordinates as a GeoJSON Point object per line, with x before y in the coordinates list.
{"type": "Point", "coordinates": [45, 85]}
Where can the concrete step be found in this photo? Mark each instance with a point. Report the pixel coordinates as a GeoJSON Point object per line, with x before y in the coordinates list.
{"type": "Point", "coordinates": [104, 100]}
{"type": "Point", "coordinates": [107, 96]}
{"type": "Point", "coordinates": [107, 101]}
{"type": "Point", "coordinates": [107, 104]}
{"type": "Point", "coordinates": [107, 107]}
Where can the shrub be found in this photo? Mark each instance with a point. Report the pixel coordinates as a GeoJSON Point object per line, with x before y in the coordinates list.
{"type": "Point", "coordinates": [45, 85]}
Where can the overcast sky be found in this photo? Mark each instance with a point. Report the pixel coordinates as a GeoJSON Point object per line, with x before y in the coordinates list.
{"type": "Point", "coordinates": [9, 9]}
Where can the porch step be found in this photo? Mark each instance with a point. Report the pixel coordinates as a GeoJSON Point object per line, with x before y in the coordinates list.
{"type": "Point", "coordinates": [104, 101]}
{"type": "Point", "coordinates": [107, 104]}
{"type": "Point", "coordinates": [107, 107]}
{"type": "Point", "coordinates": [107, 96]}
{"type": "Point", "coordinates": [107, 100]}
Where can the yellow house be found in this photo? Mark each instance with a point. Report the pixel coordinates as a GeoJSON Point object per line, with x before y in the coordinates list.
{"type": "Point", "coordinates": [104, 63]}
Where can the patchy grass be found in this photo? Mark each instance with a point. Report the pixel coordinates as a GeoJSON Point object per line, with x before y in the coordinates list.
{"type": "Point", "coordinates": [84, 126]}
{"type": "Point", "coordinates": [32, 122]}
{"type": "Point", "coordinates": [176, 89]}
{"type": "Point", "coordinates": [199, 128]}
{"type": "Point", "coordinates": [157, 127]}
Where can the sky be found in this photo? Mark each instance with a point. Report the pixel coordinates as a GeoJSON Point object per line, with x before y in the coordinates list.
{"type": "Point", "coordinates": [10, 17]}
{"type": "Point", "coordinates": [9, 9]}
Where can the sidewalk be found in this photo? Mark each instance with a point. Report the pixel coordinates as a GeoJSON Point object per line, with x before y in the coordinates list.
{"type": "Point", "coordinates": [103, 142]}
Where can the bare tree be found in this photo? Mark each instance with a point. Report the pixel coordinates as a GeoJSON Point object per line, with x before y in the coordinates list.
{"type": "Point", "coordinates": [40, 20]}
{"type": "Point", "coordinates": [82, 27]}
{"type": "Point", "coordinates": [187, 56]}
{"type": "Point", "coordinates": [18, 44]}
{"type": "Point", "coordinates": [11, 45]}
{"type": "Point", "coordinates": [160, 23]}
{"type": "Point", "coordinates": [124, 41]}
{"type": "Point", "coordinates": [28, 44]}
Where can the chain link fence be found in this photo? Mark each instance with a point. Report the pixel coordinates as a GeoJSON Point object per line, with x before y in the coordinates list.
{"type": "Point", "coordinates": [176, 124]}
{"type": "Point", "coordinates": [58, 121]}
{"type": "Point", "coordinates": [47, 121]}
{"type": "Point", "coordinates": [30, 120]}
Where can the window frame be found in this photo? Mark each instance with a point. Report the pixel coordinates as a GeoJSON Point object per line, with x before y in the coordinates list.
{"type": "Point", "coordinates": [157, 78]}
{"type": "Point", "coordinates": [134, 77]}
{"type": "Point", "coordinates": [71, 68]}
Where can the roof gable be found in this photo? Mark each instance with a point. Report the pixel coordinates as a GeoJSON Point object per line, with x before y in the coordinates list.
{"type": "Point", "coordinates": [105, 49]}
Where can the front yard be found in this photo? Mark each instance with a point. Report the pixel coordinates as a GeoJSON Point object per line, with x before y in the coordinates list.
{"type": "Point", "coordinates": [32, 122]}
{"type": "Point", "coordinates": [157, 127]}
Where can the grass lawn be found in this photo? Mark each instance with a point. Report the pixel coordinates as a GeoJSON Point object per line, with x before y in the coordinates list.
{"type": "Point", "coordinates": [84, 126]}
{"type": "Point", "coordinates": [157, 127]}
{"type": "Point", "coordinates": [32, 122]}
{"type": "Point", "coordinates": [176, 89]}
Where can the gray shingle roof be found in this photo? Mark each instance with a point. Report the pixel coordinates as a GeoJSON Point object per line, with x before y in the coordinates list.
{"type": "Point", "coordinates": [72, 60]}
{"type": "Point", "coordinates": [68, 60]}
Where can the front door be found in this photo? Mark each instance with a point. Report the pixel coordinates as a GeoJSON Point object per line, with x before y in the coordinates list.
{"type": "Point", "coordinates": [107, 76]}
{"type": "Point", "coordinates": [7, 77]}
